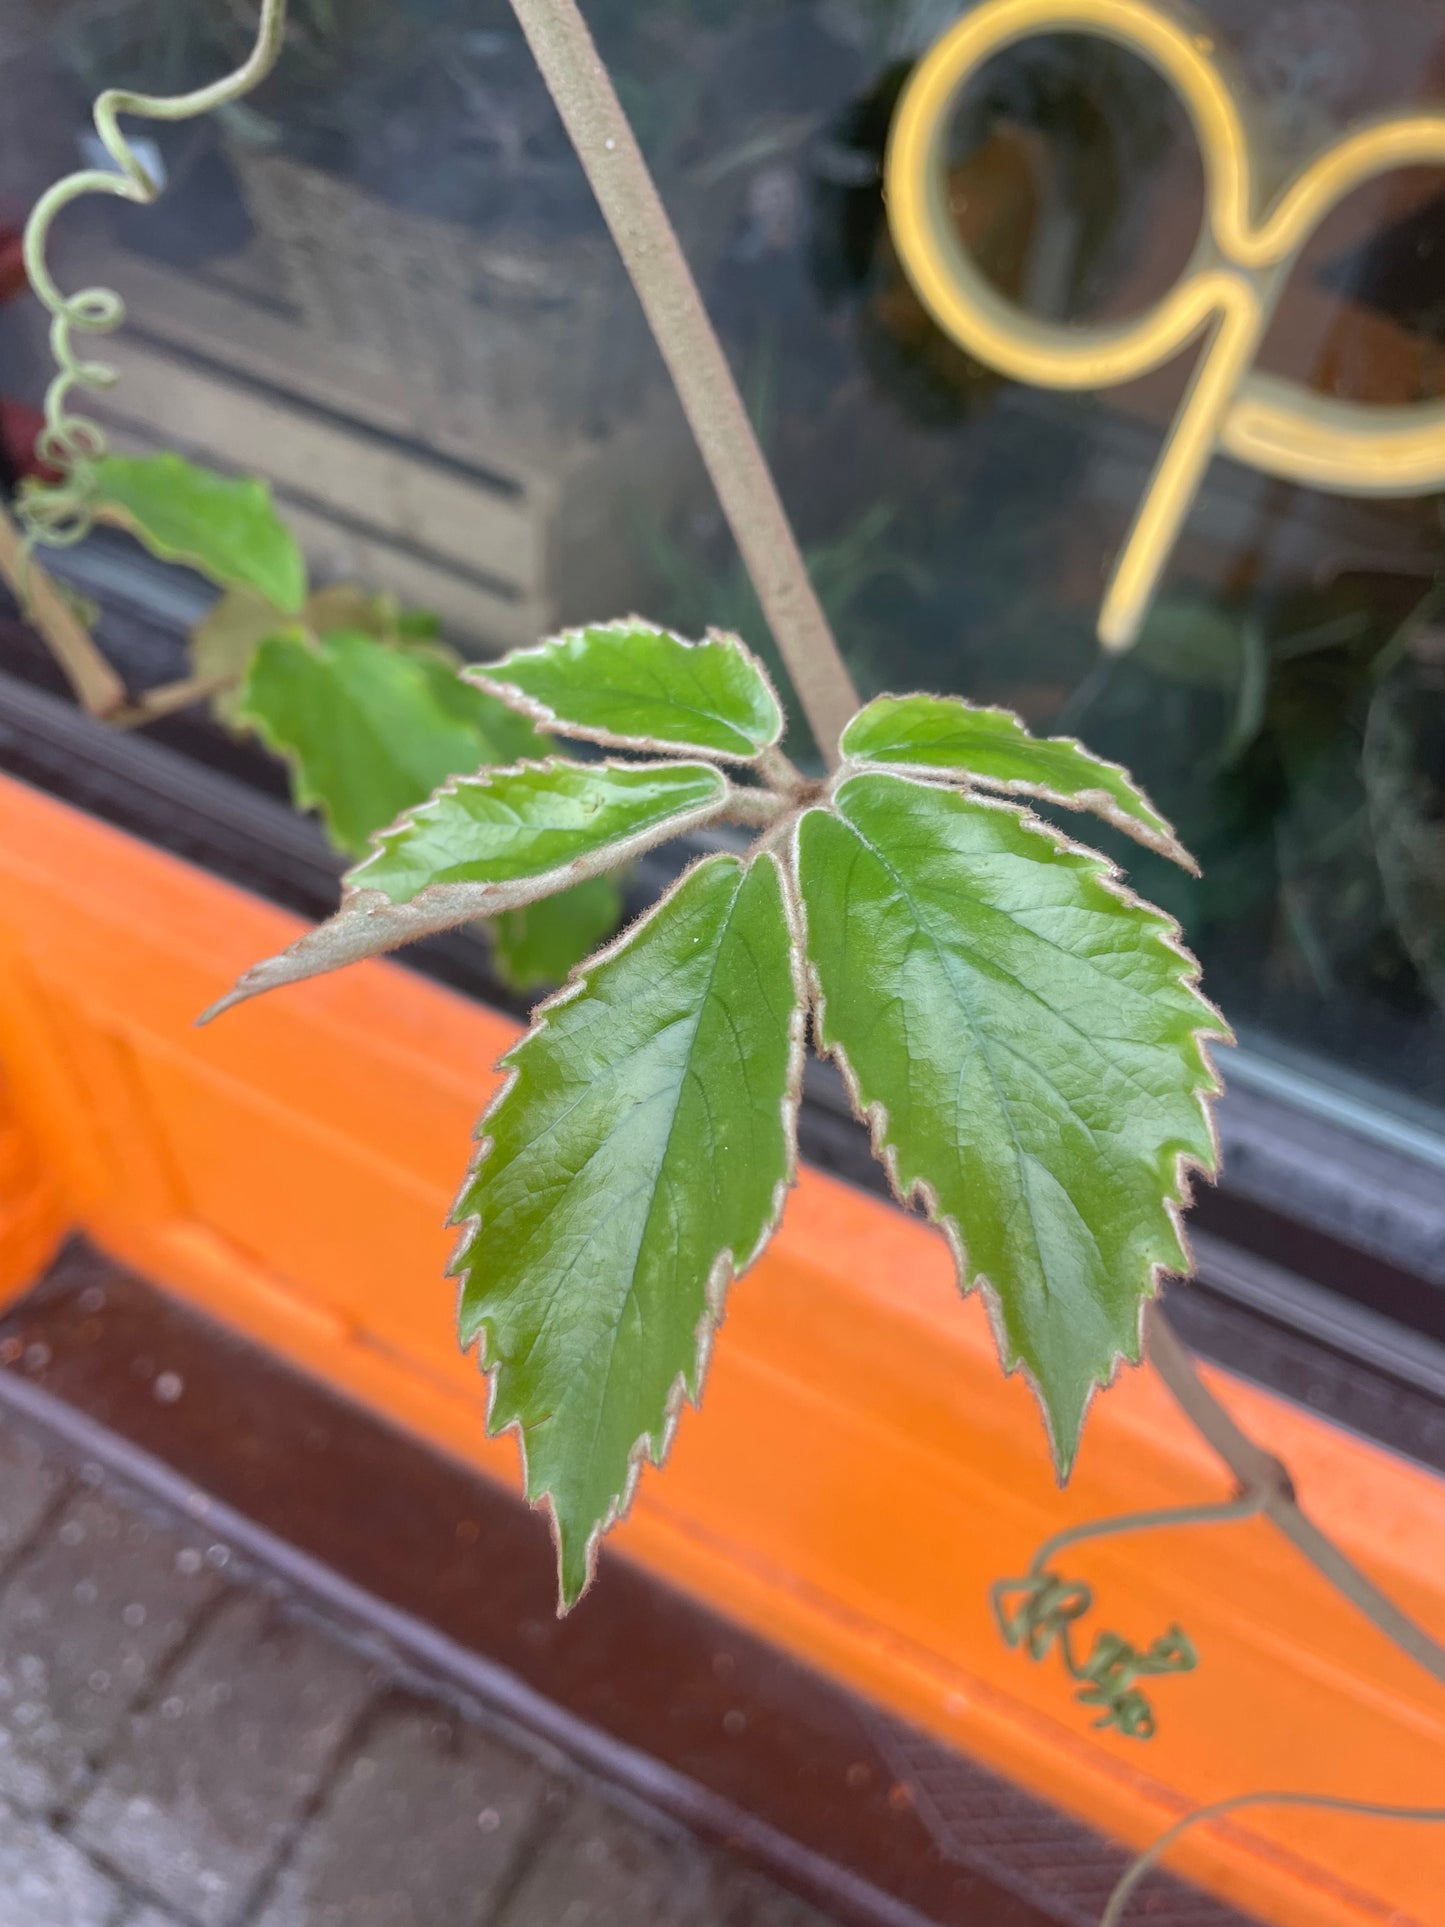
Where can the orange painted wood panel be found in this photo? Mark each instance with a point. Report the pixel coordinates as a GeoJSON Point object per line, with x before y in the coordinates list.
{"type": "Point", "coordinates": [859, 1472]}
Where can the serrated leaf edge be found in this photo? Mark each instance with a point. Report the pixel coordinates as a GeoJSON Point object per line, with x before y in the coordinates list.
{"type": "Point", "coordinates": [303, 795]}
{"type": "Point", "coordinates": [485, 677]}
{"type": "Point", "coordinates": [1163, 842]}
{"type": "Point", "coordinates": [874, 1116]}
{"type": "Point", "coordinates": [725, 1270]}
{"type": "Point", "coordinates": [368, 923]}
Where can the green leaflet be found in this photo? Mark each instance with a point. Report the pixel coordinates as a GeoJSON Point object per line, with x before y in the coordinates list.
{"type": "Point", "coordinates": [370, 730]}
{"type": "Point", "coordinates": [225, 640]}
{"type": "Point", "coordinates": [993, 747]}
{"type": "Point", "coordinates": [633, 685]}
{"type": "Point", "coordinates": [225, 526]}
{"type": "Point", "coordinates": [541, 942]}
{"type": "Point", "coordinates": [1024, 1036]}
{"type": "Point", "coordinates": [508, 826]}
{"type": "Point", "coordinates": [493, 842]}
{"type": "Point", "coordinates": [633, 1163]}
{"type": "Point", "coordinates": [1030, 1048]}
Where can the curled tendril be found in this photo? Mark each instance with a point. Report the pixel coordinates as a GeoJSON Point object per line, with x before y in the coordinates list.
{"type": "Point", "coordinates": [1045, 1613]}
{"type": "Point", "coordinates": [71, 443]}
{"type": "Point", "coordinates": [1040, 1609]}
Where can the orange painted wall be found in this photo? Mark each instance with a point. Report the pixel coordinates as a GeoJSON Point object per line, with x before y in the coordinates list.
{"type": "Point", "coordinates": [859, 1472]}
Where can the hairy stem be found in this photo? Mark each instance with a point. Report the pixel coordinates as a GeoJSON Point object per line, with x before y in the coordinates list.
{"type": "Point", "coordinates": [781, 773]}
{"type": "Point", "coordinates": [588, 103]}
{"type": "Point", "coordinates": [1259, 1471]}
{"type": "Point", "coordinates": [757, 809]}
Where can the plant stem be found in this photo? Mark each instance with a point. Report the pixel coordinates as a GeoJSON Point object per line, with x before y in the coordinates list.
{"type": "Point", "coordinates": [1321, 1802]}
{"type": "Point", "coordinates": [613, 162]}
{"type": "Point", "coordinates": [758, 809]}
{"type": "Point", "coordinates": [1259, 1471]}
{"type": "Point", "coordinates": [96, 685]}
{"type": "Point", "coordinates": [167, 698]}
{"type": "Point", "coordinates": [781, 773]}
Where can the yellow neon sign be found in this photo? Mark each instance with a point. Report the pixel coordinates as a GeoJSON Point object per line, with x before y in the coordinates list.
{"type": "Point", "coordinates": [1239, 266]}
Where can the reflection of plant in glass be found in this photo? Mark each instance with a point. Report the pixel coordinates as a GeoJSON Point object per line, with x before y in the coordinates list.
{"type": "Point", "coordinates": [1293, 745]}
{"type": "Point", "coordinates": [1402, 762]}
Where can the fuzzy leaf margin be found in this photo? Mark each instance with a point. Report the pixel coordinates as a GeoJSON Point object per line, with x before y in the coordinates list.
{"type": "Point", "coordinates": [947, 736]}
{"type": "Point", "coordinates": [1026, 1042]}
{"type": "Point", "coordinates": [634, 1163]}
{"type": "Point", "coordinates": [632, 685]}
{"type": "Point", "coordinates": [491, 842]}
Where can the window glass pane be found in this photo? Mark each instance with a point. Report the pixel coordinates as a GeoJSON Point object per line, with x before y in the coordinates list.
{"type": "Point", "coordinates": [383, 284]}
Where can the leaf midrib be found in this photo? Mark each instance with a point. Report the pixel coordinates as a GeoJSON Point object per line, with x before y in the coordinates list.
{"type": "Point", "coordinates": [980, 1039]}
{"type": "Point", "coordinates": [665, 1139]}
{"type": "Point", "coordinates": [630, 1294]}
{"type": "Point", "coordinates": [661, 694]}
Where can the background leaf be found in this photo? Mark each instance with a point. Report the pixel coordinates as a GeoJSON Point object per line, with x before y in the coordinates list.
{"type": "Point", "coordinates": [631, 684]}
{"type": "Point", "coordinates": [370, 730]}
{"type": "Point", "coordinates": [225, 526]}
{"type": "Point", "coordinates": [635, 1161]}
{"type": "Point", "coordinates": [541, 942]}
{"type": "Point", "coordinates": [1029, 1046]}
{"type": "Point", "coordinates": [1409, 838]}
{"type": "Point", "coordinates": [994, 747]}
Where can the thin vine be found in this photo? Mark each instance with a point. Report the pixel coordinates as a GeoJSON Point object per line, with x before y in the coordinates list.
{"type": "Point", "coordinates": [71, 442]}
{"type": "Point", "coordinates": [1041, 1608]}
{"type": "Point", "coordinates": [1113, 1914]}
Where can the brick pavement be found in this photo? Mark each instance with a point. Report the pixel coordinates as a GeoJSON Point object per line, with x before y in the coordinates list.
{"type": "Point", "coordinates": [180, 1747]}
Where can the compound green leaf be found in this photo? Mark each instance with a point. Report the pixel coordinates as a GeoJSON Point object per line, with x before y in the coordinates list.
{"type": "Point", "coordinates": [541, 942]}
{"type": "Point", "coordinates": [1029, 1048]}
{"type": "Point", "coordinates": [993, 748]}
{"type": "Point", "coordinates": [370, 730]}
{"type": "Point", "coordinates": [225, 526]}
{"type": "Point", "coordinates": [634, 1163]}
{"type": "Point", "coordinates": [632, 685]}
{"type": "Point", "coordinates": [493, 842]}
